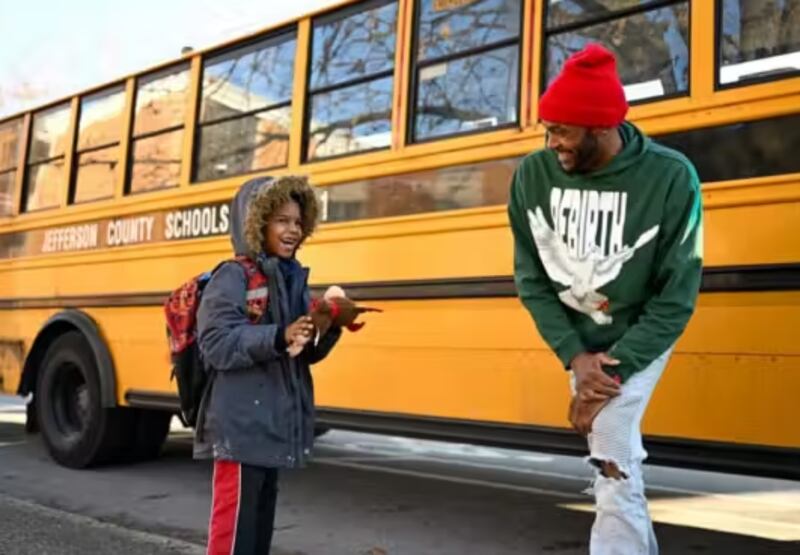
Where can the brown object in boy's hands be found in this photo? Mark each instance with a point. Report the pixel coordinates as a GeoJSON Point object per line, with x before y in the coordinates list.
{"type": "Point", "coordinates": [334, 309]}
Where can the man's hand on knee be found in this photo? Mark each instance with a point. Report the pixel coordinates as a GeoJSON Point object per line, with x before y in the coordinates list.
{"type": "Point", "coordinates": [594, 388]}
{"type": "Point", "coordinates": [590, 379]}
{"type": "Point", "coordinates": [582, 412]}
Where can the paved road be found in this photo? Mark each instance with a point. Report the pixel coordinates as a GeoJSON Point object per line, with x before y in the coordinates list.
{"type": "Point", "coordinates": [370, 495]}
{"type": "Point", "coordinates": [31, 529]}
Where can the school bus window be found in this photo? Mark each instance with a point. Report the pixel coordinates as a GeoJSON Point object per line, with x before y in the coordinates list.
{"type": "Point", "coordinates": [44, 178]}
{"type": "Point", "coordinates": [158, 129]}
{"type": "Point", "coordinates": [245, 115]}
{"type": "Point", "coordinates": [7, 179]}
{"type": "Point", "coordinates": [97, 153]}
{"type": "Point", "coordinates": [651, 42]}
{"type": "Point", "coordinates": [466, 66]}
{"type": "Point", "coordinates": [741, 150]}
{"type": "Point", "coordinates": [758, 40]}
{"type": "Point", "coordinates": [100, 118]}
{"type": "Point", "coordinates": [161, 101]}
{"type": "Point", "coordinates": [451, 188]}
{"type": "Point", "coordinates": [10, 133]}
{"type": "Point", "coordinates": [569, 12]}
{"type": "Point", "coordinates": [351, 81]}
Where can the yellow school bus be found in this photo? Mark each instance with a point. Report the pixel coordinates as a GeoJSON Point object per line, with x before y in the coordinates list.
{"type": "Point", "coordinates": [410, 117]}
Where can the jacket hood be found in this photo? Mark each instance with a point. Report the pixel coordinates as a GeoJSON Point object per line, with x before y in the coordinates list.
{"type": "Point", "coordinates": [239, 206]}
{"type": "Point", "coordinates": [635, 146]}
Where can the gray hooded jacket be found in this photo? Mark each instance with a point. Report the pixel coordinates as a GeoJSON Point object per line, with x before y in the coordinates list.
{"type": "Point", "coordinates": [259, 409]}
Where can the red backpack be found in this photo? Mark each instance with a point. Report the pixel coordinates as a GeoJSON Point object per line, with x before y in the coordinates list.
{"type": "Point", "coordinates": [180, 309]}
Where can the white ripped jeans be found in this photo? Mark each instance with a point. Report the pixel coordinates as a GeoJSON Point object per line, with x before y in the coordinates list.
{"type": "Point", "coordinates": [622, 524]}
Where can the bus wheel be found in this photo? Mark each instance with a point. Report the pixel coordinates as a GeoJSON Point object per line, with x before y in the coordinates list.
{"type": "Point", "coordinates": [150, 430]}
{"type": "Point", "coordinates": [76, 429]}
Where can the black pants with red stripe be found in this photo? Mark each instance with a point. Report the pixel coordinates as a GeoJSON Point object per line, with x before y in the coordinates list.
{"type": "Point", "coordinates": [242, 509]}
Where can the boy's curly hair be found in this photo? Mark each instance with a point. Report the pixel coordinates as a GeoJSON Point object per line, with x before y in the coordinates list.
{"type": "Point", "coordinates": [269, 198]}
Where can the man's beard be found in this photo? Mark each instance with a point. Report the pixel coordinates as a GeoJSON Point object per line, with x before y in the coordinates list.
{"type": "Point", "coordinates": [586, 154]}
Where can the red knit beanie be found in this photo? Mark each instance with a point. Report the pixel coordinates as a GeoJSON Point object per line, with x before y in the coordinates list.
{"type": "Point", "coordinates": [587, 92]}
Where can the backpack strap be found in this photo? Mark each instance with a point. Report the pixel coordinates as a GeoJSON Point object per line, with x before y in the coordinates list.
{"type": "Point", "coordinates": [257, 292]}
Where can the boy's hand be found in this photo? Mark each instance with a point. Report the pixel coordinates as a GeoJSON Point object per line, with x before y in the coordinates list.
{"type": "Point", "coordinates": [299, 331]}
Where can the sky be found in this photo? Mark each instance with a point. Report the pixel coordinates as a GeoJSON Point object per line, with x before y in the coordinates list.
{"type": "Point", "coordinates": [50, 49]}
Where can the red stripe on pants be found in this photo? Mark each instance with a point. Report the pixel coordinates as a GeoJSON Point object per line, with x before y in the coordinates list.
{"type": "Point", "coordinates": [224, 507]}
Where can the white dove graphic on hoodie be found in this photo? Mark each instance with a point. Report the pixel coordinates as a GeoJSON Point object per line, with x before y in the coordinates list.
{"type": "Point", "coordinates": [584, 275]}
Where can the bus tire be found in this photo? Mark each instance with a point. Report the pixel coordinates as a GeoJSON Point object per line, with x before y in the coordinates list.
{"type": "Point", "coordinates": [76, 429]}
{"type": "Point", "coordinates": [148, 434]}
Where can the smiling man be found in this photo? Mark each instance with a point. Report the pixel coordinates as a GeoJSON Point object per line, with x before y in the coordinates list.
{"type": "Point", "coordinates": [607, 232]}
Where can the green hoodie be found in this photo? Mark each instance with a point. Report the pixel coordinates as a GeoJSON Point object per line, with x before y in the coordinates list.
{"type": "Point", "coordinates": [609, 260]}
